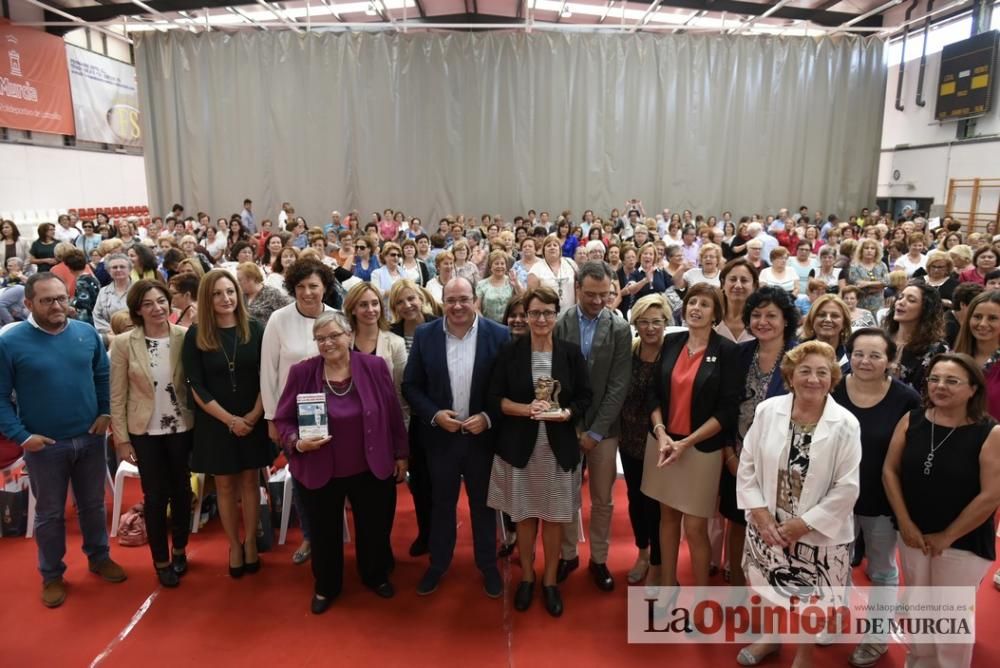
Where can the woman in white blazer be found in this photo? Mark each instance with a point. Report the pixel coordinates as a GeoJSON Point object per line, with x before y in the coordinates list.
{"type": "Point", "coordinates": [798, 481]}
{"type": "Point", "coordinates": [152, 423]}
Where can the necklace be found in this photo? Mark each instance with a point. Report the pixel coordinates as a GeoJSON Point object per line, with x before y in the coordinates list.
{"type": "Point", "coordinates": [929, 462]}
{"type": "Point", "coordinates": [329, 385]}
{"type": "Point", "coordinates": [231, 362]}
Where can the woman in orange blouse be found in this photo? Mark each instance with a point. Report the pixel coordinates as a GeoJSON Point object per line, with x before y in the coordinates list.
{"type": "Point", "coordinates": [696, 392]}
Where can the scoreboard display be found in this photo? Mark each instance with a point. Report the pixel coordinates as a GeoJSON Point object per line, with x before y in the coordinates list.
{"type": "Point", "coordinates": [965, 85]}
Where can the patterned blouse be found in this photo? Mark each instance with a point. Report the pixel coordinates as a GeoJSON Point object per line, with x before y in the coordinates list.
{"type": "Point", "coordinates": [267, 301]}
{"type": "Point", "coordinates": [635, 416]}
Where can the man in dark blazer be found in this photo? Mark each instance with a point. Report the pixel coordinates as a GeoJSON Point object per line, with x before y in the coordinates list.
{"type": "Point", "coordinates": [445, 382]}
{"type": "Point", "coordinates": [606, 341]}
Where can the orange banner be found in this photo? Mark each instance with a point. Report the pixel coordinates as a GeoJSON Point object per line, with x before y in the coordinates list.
{"type": "Point", "coordinates": [34, 82]}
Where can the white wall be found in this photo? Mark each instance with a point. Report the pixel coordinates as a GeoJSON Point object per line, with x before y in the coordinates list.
{"type": "Point", "coordinates": [33, 177]}
{"type": "Point", "coordinates": [925, 172]}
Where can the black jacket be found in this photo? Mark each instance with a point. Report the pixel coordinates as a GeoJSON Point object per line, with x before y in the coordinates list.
{"type": "Point", "coordinates": [717, 386]}
{"type": "Point", "coordinates": [511, 379]}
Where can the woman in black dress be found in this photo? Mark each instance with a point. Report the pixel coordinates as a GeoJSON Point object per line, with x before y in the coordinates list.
{"type": "Point", "coordinates": [942, 477]}
{"type": "Point", "coordinates": [222, 360]}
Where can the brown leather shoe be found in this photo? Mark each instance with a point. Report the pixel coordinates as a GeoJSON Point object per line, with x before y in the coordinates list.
{"type": "Point", "coordinates": [109, 570]}
{"type": "Point", "coordinates": [53, 593]}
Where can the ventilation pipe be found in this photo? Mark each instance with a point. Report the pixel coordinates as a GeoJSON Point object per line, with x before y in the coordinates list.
{"type": "Point", "coordinates": [921, 102]}
{"type": "Point", "coordinates": [902, 56]}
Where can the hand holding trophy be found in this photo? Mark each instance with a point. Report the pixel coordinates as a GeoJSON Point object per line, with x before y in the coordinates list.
{"type": "Point", "coordinates": [546, 403]}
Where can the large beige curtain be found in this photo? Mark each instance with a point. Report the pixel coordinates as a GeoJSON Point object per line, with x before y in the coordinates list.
{"type": "Point", "coordinates": [501, 122]}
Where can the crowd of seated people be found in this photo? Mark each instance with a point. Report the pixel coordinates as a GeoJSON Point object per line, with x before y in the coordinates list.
{"type": "Point", "coordinates": [706, 351]}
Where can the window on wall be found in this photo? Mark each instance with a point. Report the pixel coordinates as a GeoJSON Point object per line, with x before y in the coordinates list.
{"type": "Point", "coordinates": [939, 36]}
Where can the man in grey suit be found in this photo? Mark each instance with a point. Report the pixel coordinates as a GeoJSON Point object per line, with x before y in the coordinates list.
{"type": "Point", "coordinates": [606, 341]}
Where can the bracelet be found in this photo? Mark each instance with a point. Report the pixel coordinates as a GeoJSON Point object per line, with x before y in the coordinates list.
{"type": "Point", "coordinates": [297, 448]}
{"type": "Point", "coordinates": [657, 426]}
{"type": "Point", "coordinates": [731, 457]}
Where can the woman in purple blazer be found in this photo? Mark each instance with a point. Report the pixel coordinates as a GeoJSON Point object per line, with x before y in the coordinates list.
{"type": "Point", "coordinates": [362, 459]}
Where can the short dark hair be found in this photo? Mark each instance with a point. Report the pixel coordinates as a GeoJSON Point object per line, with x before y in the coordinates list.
{"type": "Point", "coordinates": [137, 293]}
{"type": "Point", "coordinates": [976, 408]}
{"type": "Point", "coordinates": [770, 294]}
{"type": "Point", "coordinates": [234, 252]}
{"type": "Point", "coordinates": [964, 293]}
{"type": "Point", "coordinates": [890, 346]}
{"type": "Point", "coordinates": [186, 284]}
{"type": "Point", "coordinates": [29, 286]}
{"type": "Point", "coordinates": [595, 269]}
{"type": "Point", "coordinates": [303, 269]}
{"type": "Point", "coordinates": [705, 290]}
{"type": "Point", "coordinates": [544, 294]}
{"type": "Point", "coordinates": [172, 257]}
{"type": "Point", "coordinates": [247, 201]}
{"type": "Point", "coordinates": [993, 275]}
{"type": "Point", "coordinates": [75, 260]}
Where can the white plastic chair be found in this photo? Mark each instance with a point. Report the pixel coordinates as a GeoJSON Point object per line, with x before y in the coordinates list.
{"type": "Point", "coordinates": [125, 470]}
{"type": "Point", "coordinates": [286, 510]}
{"type": "Point", "coordinates": [196, 515]}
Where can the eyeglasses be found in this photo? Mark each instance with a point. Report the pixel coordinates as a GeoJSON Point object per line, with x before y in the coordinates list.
{"type": "Point", "coordinates": [332, 338]}
{"type": "Point", "coordinates": [643, 323]}
{"type": "Point", "coordinates": [456, 301]}
{"type": "Point", "coordinates": [542, 315]}
{"type": "Point", "coordinates": [950, 382]}
{"type": "Point", "coordinates": [392, 254]}
{"type": "Point", "coordinates": [49, 301]}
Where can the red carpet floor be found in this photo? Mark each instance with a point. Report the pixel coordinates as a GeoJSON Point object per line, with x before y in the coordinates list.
{"type": "Point", "coordinates": [265, 620]}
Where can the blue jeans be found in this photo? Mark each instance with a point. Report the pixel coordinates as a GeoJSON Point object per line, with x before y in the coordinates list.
{"type": "Point", "coordinates": [880, 550]}
{"type": "Point", "coordinates": [52, 469]}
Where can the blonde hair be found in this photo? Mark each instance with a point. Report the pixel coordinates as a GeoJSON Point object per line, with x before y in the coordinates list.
{"type": "Point", "coordinates": [354, 296]}
{"type": "Point", "coordinates": [794, 357]}
{"type": "Point", "coordinates": [195, 265]}
{"type": "Point", "coordinates": [396, 293]}
{"type": "Point", "coordinates": [251, 271]}
{"type": "Point", "coordinates": [498, 255]}
{"type": "Point", "coordinates": [779, 252]}
{"type": "Point", "coordinates": [109, 246]}
{"type": "Point", "coordinates": [639, 309]}
{"type": "Point", "coordinates": [121, 321]}
{"type": "Point", "coordinates": [62, 249]}
{"type": "Point", "coordinates": [860, 249]}
{"type": "Point", "coordinates": [808, 329]}
{"type": "Point", "coordinates": [940, 256]}
{"type": "Point", "coordinates": [208, 331]}
{"type": "Point", "coordinates": [897, 279]}
{"type": "Point", "coordinates": [706, 248]}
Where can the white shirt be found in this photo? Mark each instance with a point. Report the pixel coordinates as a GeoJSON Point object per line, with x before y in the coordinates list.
{"type": "Point", "coordinates": [461, 355]}
{"type": "Point", "coordinates": [276, 281]}
{"type": "Point", "coordinates": [564, 284]}
{"type": "Point", "coordinates": [906, 263]}
{"type": "Point", "coordinates": [786, 282]}
{"type": "Point", "coordinates": [288, 339]}
{"type": "Point", "coordinates": [166, 417]}
{"type": "Point", "coordinates": [696, 275]}
{"type": "Point", "coordinates": [66, 233]}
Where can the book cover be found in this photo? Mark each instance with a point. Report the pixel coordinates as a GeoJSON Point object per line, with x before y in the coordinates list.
{"type": "Point", "coordinates": [313, 421]}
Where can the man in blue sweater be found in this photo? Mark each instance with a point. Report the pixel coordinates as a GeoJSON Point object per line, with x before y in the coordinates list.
{"type": "Point", "coordinates": [59, 372]}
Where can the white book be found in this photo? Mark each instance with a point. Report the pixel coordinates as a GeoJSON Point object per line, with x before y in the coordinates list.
{"type": "Point", "coordinates": [313, 420]}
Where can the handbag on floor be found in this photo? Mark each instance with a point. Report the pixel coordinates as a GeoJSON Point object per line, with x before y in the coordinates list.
{"type": "Point", "coordinates": [132, 527]}
{"type": "Point", "coordinates": [14, 507]}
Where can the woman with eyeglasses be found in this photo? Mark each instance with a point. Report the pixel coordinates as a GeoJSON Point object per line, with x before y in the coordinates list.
{"type": "Point", "coordinates": [649, 317]}
{"type": "Point", "coordinates": [878, 401]}
{"type": "Point", "coordinates": [695, 397]}
{"type": "Point", "coordinates": [89, 240]}
{"type": "Point", "coordinates": [555, 272]}
{"type": "Point", "coordinates": [536, 468]}
{"type": "Point", "coordinates": [939, 275]}
{"type": "Point", "coordinates": [391, 269]}
{"type": "Point", "coordinates": [361, 460]}
{"type": "Point", "coordinates": [464, 265]}
{"type": "Point", "coordinates": [364, 260]}
{"type": "Point", "coordinates": [942, 479]}
{"type": "Point", "coordinates": [288, 340]}
{"type": "Point", "coordinates": [112, 297]}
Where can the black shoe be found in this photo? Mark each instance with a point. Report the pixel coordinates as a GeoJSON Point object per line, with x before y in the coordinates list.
{"type": "Point", "coordinates": [553, 601]}
{"type": "Point", "coordinates": [168, 577]}
{"type": "Point", "coordinates": [384, 590]}
{"type": "Point", "coordinates": [602, 576]}
{"type": "Point", "coordinates": [250, 567]}
{"type": "Point", "coordinates": [525, 592]}
{"type": "Point", "coordinates": [566, 566]}
{"type": "Point", "coordinates": [179, 563]}
{"type": "Point", "coordinates": [418, 548]}
{"type": "Point", "coordinates": [507, 550]}
{"type": "Point", "coordinates": [429, 582]}
{"type": "Point", "coordinates": [320, 605]}
{"type": "Point", "coordinates": [492, 583]}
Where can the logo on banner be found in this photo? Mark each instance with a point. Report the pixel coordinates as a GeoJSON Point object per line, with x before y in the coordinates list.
{"type": "Point", "coordinates": [123, 119]}
{"type": "Point", "coordinates": [15, 63]}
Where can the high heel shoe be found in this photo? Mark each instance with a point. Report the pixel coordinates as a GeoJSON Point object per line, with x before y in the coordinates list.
{"type": "Point", "coordinates": [236, 572]}
{"type": "Point", "coordinates": [747, 658]}
{"type": "Point", "coordinates": [250, 567]}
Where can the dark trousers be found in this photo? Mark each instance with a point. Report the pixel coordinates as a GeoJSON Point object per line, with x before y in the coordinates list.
{"type": "Point", "coordinates": [166, 480]}
{"type": "Point", "coordinates": [420, 482]}
{"type": "Point", "coordinates": [450, 461]}
{"type": "Point", "coordinates": [371, 503]}
{"type": "Point", "coordinates": [643, 512]}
